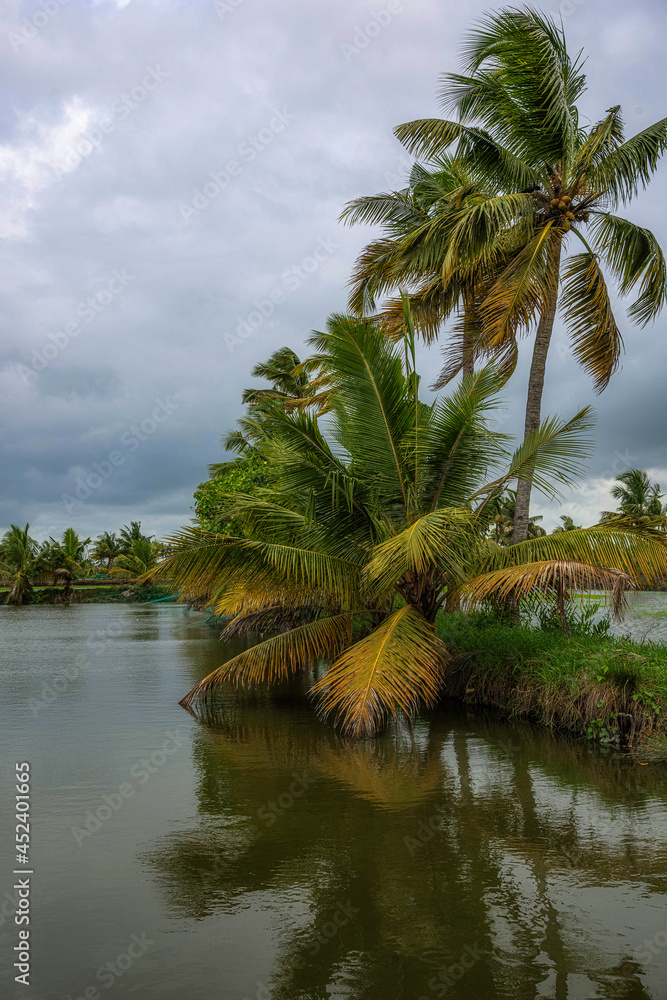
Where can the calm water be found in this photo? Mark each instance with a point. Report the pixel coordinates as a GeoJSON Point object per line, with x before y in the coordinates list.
{"type": "Point", "coordinates": [264, 857]}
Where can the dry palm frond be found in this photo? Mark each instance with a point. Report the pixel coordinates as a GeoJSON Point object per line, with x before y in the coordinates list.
{"type": "Point", "coordinates": [398, 668]}
{"type": "Point", "coordinates": [548, 577]}
{"type": "Point", "coordinates": [274, 659]}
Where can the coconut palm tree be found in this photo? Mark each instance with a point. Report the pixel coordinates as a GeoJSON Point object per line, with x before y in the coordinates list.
{"type": "Point", "coordinates": [129, 534]}
{"type": "Point", "coordinates": [502, 525]}
{"type": "Point", "coordinates": [18, 563]}
{"type": "Point", "coordinates": [517, 128]}
{"type": "Point", "coordinates": [639, 501]}
{"type": "Point", "coordinates": [365, 534]}
{"type": "Point", "coordinates": [412, 251]}
{"type": "Point", "coordinates": [107, 548]}
{"type": "Point", "coordinates": [141, 557]}
{"type": "Point", "coordinates": [292, 390]}
{"type": "Point", "coordinates": [567, 525]}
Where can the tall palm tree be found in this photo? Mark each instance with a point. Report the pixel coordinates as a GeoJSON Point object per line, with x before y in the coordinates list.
{"type": "Point", "coordinates": [517, 127]}
{"type": "Point", "coordinates": [412, 251]}
{"type": "Point", "coordinates": [18, 563]}
{"type": "Point", "coordinates": [365, 534]}
{"type": "Point", "coordinates": [639, 500]}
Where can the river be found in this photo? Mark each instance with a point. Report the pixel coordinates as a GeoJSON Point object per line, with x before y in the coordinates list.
{"type": "Point", "coordinates": [263, 856]}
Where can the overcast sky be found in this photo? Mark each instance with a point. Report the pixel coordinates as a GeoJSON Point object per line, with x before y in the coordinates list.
{"type": "Point", "coordinates": [172, 177]}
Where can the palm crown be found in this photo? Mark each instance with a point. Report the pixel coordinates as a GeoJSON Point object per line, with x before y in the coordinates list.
{"type": "Point", "coordinates": [539, 180]}
{"type": "Point", "coordinates": [371, 528]}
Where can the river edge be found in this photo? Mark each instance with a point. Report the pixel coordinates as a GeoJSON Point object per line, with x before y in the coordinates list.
{"type": "Point", "coordinates": [611, 690]}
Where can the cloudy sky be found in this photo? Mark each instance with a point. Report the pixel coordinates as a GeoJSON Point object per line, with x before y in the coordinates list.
{"type": "Point", "coordinates": [172, 177]}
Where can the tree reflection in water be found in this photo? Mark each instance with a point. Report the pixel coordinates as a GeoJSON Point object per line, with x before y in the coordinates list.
{"type": "Point", "coordinates": [464, 858]}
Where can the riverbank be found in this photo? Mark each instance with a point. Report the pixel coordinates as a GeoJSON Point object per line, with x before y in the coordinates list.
{"type": "Point", "coordinates": [606, 688]}
{"type": "Point", "coordinates": [97, 592]}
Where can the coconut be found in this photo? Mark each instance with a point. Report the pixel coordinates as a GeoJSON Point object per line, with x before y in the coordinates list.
{"type": "Point", "coordinates": [554, 203]}
{"type": "Point", "coordinates": [570, 216]}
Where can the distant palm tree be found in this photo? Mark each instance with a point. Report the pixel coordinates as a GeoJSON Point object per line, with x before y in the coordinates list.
{"type": "Point", "coordinates": [292, 390]}
{"type": "Point", "coordinates": [107, 548]}
{"type": "Point", "coordinates": [129, 534]}
{"type": "Point", "coordinates": [502, 526]}
{"type": "Point", "coordinates": [567, 525]}
{"type": "Point", "coordinates": [639, 501]}
{"type": "Point", "coordinates": [142, 557]}
{"type": "Point", "coordinates": [18, 562]}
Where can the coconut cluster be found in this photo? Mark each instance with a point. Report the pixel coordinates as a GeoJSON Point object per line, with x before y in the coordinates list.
{"type": "Point", "coordinates": [563, 206]}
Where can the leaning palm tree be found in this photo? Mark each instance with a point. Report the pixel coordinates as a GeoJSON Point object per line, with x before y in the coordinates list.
{"type": "Point", "coordinates": [18, 563]}
{"type": "Point", "coordinates": [368, 531]}
{"type": "Point", "coordinates": [517, 127]}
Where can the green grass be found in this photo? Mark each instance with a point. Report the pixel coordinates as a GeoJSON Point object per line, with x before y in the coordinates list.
{"type": "Point", "coordinates": [581, 684]}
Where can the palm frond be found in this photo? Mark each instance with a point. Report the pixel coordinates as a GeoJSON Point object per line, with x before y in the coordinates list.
{"type": "Point", "coordinates": [631, 165]}
{"type": "Point", "coordinates": [399, 668]}
{"type": "Point", "coordinates": [585, 306]}
{"type": "Point", "coordinates": [633, 254]}
{"type": "Point", "coordinates": [541, 579]}
{"type": "Point", "coordinates": [438, 542]}
{"type": "Point", "coordinates": [276, 658]}
{"type": "Point", "coordinates": [553, 454]}
{"type": "Point", "coordinates": [641, 555]}
{"type": "Point", "coordinates": [522, 291]}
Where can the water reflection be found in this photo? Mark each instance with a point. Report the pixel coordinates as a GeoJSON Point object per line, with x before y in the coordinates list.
{"type": "Point", "coordinates": [462, 858]}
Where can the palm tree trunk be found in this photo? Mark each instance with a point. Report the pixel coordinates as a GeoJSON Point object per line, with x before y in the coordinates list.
{"type": "Point", "coordinates": [468, 327]}
{"type": "Point", "coordinates": [534, 400]}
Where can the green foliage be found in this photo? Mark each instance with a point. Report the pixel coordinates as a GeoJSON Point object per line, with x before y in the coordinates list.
{"type": "Point", "coordinates": [248, 477]}
{"type": "Point", "coordinates": [382, 513]}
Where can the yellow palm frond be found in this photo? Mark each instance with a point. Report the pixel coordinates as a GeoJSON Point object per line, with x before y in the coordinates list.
{"type": "Point", "coordinates": [398, 668]}
{"type": "Point", "coordinates": [275, 658]}
{"type": "Point", "coordinates": [539, 579]}
{"type": "Point", "coordinates": [643, 557]}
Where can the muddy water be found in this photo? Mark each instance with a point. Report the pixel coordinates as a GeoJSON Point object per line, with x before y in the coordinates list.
{"type": "Point", "coordinates": [259, 855]}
